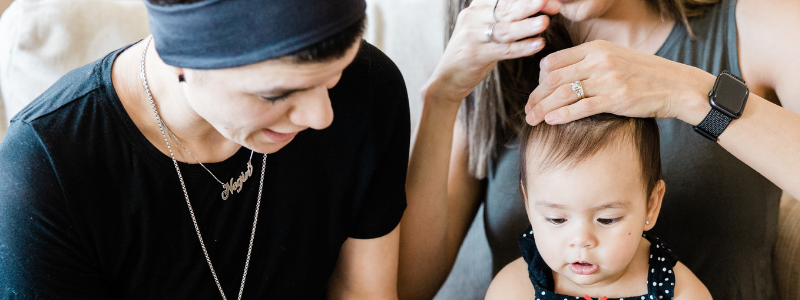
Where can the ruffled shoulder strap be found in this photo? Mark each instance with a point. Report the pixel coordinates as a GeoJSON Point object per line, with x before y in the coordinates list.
{"type": "Point", "coordinates": [661, 278]}
{"type": "Point", "coordinates": [540, 274]}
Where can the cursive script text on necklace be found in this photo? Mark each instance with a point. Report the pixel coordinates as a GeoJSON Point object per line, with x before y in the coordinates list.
{"type": "Point", "coordinates": [237, 185]}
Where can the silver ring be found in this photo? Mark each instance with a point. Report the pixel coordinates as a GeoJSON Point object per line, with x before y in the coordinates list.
{"type": "Point", "coordinates": [494, 11]}
{"type": "Point", "coordinates": [490, 32]}
{"type": "Point", "coordinates": [577, 87]}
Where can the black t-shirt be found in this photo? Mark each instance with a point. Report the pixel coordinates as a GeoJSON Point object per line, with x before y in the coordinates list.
{"type": "Point", "coordinates": [89, 209]}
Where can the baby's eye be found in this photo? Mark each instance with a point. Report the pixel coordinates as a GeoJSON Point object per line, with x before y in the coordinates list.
{"type": "Point", "coordinates": [606, 221]}
{"type": "Point", "coordinates": [556, 221]}
{"type": "Point", "coordinates": [275, 99]}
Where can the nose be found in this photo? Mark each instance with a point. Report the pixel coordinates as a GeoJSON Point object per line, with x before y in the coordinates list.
{"type": "Point", "coordinates": [313, 110]}
{"type": "Point", "coordinates": [583, 237]}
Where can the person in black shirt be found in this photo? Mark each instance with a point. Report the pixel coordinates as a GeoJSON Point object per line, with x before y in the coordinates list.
{"type": "Point", "coordinates": [102, 190]}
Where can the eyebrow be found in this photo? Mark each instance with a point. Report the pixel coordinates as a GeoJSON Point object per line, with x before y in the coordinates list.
{"type": "Point", "coordinates": [280, 91]}
{"type": "Point", "coordinates": [616, 204]}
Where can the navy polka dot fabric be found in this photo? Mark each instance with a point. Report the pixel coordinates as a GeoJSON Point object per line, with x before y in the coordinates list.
{"type": "Point", "coordinates": [660, 279]}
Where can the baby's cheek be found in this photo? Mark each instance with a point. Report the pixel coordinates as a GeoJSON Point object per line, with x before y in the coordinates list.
{"type": "Point", "coordinates": [549, 246]}
{"type": "Point", "coordinates": [619, 254]}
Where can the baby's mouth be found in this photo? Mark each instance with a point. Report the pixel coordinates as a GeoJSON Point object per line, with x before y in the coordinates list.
{"type": "Point", "coordinates": [582, 268]}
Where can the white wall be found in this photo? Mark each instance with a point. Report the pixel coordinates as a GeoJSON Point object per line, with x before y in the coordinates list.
{"type": "Point", "coordinates": [411, 33]}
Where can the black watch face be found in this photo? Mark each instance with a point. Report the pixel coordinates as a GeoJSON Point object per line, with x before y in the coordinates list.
{"type": "Point", "coordinates": [730, 95]}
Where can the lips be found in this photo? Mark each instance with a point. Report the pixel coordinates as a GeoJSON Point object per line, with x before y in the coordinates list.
{"type": "Point", "coordinates": [582, 268]}
{"type": "Point", "coordinates": [278, 137]}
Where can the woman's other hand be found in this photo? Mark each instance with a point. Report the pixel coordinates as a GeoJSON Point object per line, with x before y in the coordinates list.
{"type": "Point", "coordinates": [472, 53]}
{"type": "Point", "coordinates": [618, 80]}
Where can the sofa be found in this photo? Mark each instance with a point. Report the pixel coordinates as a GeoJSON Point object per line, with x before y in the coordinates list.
{"type": "Point", "coordinates": [40, 40]}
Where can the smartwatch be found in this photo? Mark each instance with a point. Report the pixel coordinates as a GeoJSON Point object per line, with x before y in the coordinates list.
{"type": "Point", "coordinates": [727, 100]}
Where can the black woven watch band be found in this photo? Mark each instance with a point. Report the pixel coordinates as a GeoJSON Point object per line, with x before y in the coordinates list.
{"type": "Point", "coordinates": [713, 125]}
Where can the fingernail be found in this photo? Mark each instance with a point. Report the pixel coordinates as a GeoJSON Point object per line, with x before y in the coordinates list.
{"type": "Point", "coordinates": [530, 118]}
{"type": "Point", "coordinates": [536, 45]}
{"type": "Point", "coordinates": [527, 108]}
{"type": "Point", "coordinates": [551, 117]}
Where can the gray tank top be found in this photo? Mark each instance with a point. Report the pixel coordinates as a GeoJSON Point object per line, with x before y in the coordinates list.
{"type": "Point", "coordinates": [719, 215]}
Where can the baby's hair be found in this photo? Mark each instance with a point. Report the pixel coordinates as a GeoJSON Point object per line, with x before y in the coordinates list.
{"type": "Point", "coordinates": [569, 144]}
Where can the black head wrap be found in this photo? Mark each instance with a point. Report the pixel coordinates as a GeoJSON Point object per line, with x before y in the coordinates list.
{"type": "Point", "coordinates": [215, 34]}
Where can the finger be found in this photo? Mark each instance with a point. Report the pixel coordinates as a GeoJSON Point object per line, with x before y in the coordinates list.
{"type": "Point", "coordinates": [552, 8]}
{"type": "Point", "coordinates": [511, 10]}
{"type": "Point", "coordinates": [579, 110]}
{"type": "Point", "coordinates": [562, 96]}
{"type": "Point", "coordinates": [569, 56]}
{"type": "Point", "coordinates": [503, 51]}
{"type": "Point", "coordinates": [550, 81]}
{"type": "Point", "coordinates": [506, 32]}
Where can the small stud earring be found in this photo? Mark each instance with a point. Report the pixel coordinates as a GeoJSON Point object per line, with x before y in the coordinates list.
{"type": "Point", "coordinates": [181, 79]}
{"type": "Point", "coordinates": [647, 222]}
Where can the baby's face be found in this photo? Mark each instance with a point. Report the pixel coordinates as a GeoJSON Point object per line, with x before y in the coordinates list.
{"type": "Point", "coordinates": [588, 220]}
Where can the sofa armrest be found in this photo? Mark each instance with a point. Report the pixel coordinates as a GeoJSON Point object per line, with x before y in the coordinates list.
{"type": "Point", "coordinates": [786, 261]}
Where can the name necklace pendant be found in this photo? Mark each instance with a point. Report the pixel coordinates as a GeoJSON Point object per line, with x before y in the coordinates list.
{"type": "Point", "coordinates": [231, 186]}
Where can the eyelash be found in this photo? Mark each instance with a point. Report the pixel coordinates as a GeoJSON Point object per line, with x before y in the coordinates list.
{"type": "Point", "coordinates": [275, 99]}
{"type": "Point", "coordinates": [555, 221]}
{"type": "Point", "coordinates": [604, 221]}
{"type": "Point", "coordinates": [609, 221]}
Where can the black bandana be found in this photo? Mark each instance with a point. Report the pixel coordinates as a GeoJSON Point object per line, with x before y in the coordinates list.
{"type": "Point", "coordinates": [215, 34]}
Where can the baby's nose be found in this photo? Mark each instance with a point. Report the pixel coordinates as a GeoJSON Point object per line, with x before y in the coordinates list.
{"type": "Point", "coordinates": [583, 238]}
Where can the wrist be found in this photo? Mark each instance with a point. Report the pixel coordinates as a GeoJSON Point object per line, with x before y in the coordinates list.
{"type": "Point", "coordinates": [433, 94]}
{"type": "Point", "coordinates": [695, 104]}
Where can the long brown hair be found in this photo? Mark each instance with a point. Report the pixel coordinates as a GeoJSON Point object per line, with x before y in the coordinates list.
{"type": "Point", "coordinates": [494, 114]}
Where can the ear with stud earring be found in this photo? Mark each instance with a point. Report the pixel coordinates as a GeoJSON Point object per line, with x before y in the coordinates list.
{"type": "Point", "coordinates": [647, 222]}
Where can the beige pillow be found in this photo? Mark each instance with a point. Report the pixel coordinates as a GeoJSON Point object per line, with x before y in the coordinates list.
{"type": "Point", "coordinates": [41, 40]}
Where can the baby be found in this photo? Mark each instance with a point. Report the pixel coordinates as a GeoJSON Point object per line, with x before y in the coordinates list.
{"type": "Point", "coordinates": [592, 188]}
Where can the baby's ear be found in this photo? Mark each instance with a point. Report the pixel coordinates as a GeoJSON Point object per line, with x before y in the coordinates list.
{"type": "Point", "coordinates": [654, 204]}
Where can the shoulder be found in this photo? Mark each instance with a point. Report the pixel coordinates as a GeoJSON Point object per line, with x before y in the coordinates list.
{"type": "Point", "coordinates": [375, 75]}
{"type": "Point", "coordinates": [72, 87]}
{"type": "Point", "coordinates": [374, 59]}
{"type": "Point", "coordinates": [371, 97]}
{"type": "Point", "coordinates": [767, 53]}
{"type": "Point", "coordinates": [687, 285]}
{"type": "Point", "coordinates": [512, 282]}
{"type": "Point", "coordinates": [776, 15]}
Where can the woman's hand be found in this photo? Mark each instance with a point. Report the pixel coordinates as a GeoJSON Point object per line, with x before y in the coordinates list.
{"type": "Point", "coordinates": [617, 80]}
{"type": "Point", "coordinates": [471, 55]}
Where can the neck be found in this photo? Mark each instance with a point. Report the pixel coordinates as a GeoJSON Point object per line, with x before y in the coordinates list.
{"type": "Point", "coordinates": [635, 24]}
{"type": "Point", "coordinates": [194, 132]}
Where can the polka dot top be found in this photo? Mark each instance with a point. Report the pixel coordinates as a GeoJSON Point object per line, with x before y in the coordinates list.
{"type": "Point", "coordinates": [660, 279]}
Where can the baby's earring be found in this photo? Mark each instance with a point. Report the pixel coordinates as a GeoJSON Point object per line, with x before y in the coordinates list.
{"type": "Point", "coordinates": [646, 222]}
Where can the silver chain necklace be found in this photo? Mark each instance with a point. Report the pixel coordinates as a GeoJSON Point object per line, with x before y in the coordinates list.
{"type": "Point", "coordinates": [227, 188]}
{"type": "Point", "coordinates": [186, 194]}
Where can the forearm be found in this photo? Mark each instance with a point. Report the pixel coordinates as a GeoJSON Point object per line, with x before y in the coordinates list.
{"type": "Point", "coordinates": [766, 137]}
{"type": "Point", "coordinates": [425, 256]}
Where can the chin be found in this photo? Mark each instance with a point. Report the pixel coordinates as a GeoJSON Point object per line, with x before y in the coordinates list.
{"type": "Point", "coordinates": [258, 142]}
{"type": "Point", "coordinates": [584, 280]}
{"type": "Point", "coordinates": [267, 148]}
